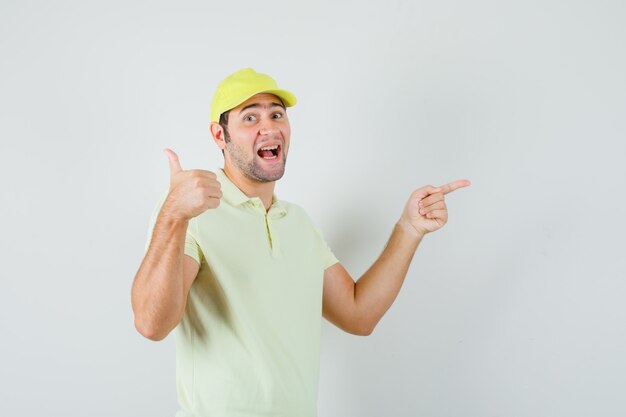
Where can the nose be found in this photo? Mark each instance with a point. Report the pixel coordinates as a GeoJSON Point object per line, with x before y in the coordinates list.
{"type": "Point", "coordinates": [268, 127]}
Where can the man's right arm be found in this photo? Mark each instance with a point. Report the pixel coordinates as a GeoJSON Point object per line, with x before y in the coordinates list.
{"type": "Point", "coordinates": [162, 283]}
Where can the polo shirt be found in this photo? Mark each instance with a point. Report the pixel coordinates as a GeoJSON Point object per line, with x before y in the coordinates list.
{"type": "Point", "coordinates": [249, 341]}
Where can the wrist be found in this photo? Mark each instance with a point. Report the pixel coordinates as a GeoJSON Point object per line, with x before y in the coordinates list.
{"type": "Point", "coordinates": [171, 215]}
{"type": "Point", "coordinates": [408, 228]}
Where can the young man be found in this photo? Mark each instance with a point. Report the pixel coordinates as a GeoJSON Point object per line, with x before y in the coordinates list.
{"type": "Point", "coordinates": [244, 278]}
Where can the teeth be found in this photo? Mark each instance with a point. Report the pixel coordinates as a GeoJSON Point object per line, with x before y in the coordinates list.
{"type": "Point", "coordinates": [269, 148]}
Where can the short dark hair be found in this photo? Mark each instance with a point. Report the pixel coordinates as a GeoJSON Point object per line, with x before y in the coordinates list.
{"type": "Point", "coordinates": [224, 123]}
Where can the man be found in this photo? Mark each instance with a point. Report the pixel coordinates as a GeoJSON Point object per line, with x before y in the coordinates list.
{"type": "Point", "coordinates": [243, 277]}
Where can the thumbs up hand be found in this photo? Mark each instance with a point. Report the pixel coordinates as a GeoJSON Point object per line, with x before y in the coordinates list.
{"type": "Point", "coordinates": [192, 192]}
{"type": "Point", "coordinates": [426, 209]}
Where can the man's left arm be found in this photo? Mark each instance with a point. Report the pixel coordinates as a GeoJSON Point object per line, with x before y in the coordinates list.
{"type": "Point", "coordinates": [357, 307]}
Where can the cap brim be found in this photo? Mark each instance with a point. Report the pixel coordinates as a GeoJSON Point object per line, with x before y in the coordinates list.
{"type": "Point", "coordinates": [287, 97]}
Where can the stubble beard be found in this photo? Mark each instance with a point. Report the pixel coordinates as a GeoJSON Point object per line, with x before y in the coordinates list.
{"type": "Point", "coordinates": [252, 168]}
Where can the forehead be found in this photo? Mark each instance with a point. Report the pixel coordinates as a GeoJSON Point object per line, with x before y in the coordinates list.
{"type": "Point", "coordinates": [260, 98]}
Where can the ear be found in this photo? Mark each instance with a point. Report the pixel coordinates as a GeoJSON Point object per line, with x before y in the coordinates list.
{"type": "Point", "coordinates": [218, 135]}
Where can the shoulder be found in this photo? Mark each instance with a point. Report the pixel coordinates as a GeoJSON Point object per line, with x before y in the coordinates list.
{"type": "Point", "coordinates": [291, 206]}
{"type": "Point", "coordinates": [296, 211]}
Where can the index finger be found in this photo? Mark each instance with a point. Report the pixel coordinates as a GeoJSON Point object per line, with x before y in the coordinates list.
{"type": "Point", "coordinates": [454, 185]}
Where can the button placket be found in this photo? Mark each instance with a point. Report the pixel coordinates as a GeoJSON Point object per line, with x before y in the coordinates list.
{"type": "Point", "coordinates": [270, 217]}
{"type": "Point", "coordinates": [258, 207]}
{"type": "Point", "coordinates": [274, 247]}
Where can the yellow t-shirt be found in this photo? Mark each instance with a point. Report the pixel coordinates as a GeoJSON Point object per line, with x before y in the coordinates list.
{"type": "Point", "coordinates": [248, 343]}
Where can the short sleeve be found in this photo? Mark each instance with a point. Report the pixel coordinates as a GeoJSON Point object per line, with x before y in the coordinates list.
{"type": "Point", "coordinates": [191, 249]}
{"type": "Point", "coordinates": [328, 257]}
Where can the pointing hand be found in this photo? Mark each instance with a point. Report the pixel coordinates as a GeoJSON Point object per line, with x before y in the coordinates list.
{"type": "Point", "coordinates": [192, 192]}
{"type": "Point", "coordinates": [426, 209]}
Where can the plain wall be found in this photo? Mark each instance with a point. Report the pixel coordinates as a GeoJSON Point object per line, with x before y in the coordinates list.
{"type": "Point", "coordinates": [514, 308]}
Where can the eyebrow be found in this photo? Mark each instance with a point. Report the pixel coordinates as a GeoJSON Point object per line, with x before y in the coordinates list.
{"type": "Point", "coordinates": [274, 104]}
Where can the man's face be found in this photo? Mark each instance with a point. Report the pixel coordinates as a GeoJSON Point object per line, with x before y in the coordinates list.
{"type": "Point", "coordinates": [254, 126]}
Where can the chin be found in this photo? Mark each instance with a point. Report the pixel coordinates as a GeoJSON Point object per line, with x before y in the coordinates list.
{"type": "Point", "coordinates": [271, 176]}
{"type": "Point", "coordinates": [262, 174]}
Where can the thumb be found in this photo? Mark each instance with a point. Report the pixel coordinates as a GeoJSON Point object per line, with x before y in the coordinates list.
{"type": "Point", "coordinates": [425, 192]}
{"type": "Point", "coordinates": [174, 162]}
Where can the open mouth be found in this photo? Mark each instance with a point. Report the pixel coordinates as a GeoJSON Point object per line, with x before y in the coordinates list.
{"type": "Point", "coordinates": [269, 152]}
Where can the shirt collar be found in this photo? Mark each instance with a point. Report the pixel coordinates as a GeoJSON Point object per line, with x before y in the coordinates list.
{"type": "Point", "coordinates": [235, 197]}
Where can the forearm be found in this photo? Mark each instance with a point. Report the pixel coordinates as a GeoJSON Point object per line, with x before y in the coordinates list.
{"type": "Point", "coordinates": [157, 293]}
{"type": "Point", "coordinates": [377, 289]}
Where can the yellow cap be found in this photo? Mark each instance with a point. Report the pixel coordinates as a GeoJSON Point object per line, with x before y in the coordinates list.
{"type": "Point", "coordinates": [240, 86]}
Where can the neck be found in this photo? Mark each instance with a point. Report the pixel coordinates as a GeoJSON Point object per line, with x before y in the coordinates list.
{"type": "Point", "coordinates": [251, 188]}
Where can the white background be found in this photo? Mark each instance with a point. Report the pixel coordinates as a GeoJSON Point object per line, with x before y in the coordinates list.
{"type": "Point", "coordinates": [514, 308]}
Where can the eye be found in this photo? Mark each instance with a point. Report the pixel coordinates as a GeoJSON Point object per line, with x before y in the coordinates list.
{"type": "Point", "coordinates": [249, 118]}
{"type": "Point", "coordinates": [277, 115]}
